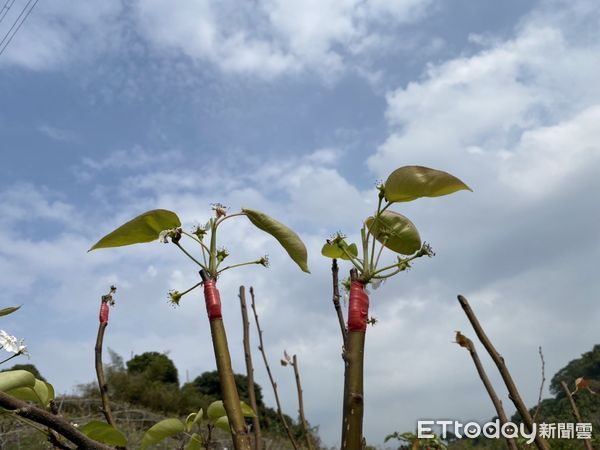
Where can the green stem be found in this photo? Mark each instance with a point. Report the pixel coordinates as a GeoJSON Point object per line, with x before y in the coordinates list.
{"type": "Point", "coordinates": [191, 289]}
{"type": "Point", "coordinates": [355, 262]}
{"type": "Point", "coordinates": [231, 399]}
{"type": "Point", "coordinates": [238, 265]}
{"type": "Point", "coordinates": [202, 244]}
{"type": "Point", "coordinates": [229, 216]}
{"type": "Point", "coordinates": [374, 266]}
{"type": "Point", "coordinates": [365, 245]}
{"type": "Point", "coordinates": [353, 402]}
{"type": "Point", "coordinates": [188, 255]}
{"type": "Point", "coordinates": [212, 267]}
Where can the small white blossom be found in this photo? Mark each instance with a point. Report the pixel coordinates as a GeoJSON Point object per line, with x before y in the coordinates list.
{"type": "Point", "coordinates": [12, 344]}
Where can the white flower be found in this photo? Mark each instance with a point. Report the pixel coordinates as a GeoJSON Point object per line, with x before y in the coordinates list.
{"type": "Point", "coordinates": [12, 344]}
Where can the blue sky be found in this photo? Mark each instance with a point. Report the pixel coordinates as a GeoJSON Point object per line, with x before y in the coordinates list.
{"type": "Point", "coordinates": [109, 109]}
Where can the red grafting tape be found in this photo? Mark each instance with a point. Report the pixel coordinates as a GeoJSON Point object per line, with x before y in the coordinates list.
{"type": "Point", "coordinates": [104, 312]}
{"type": "Point", "coordinates": [358, 307]}
{"type": "Point", "coordinates": [212, 299]}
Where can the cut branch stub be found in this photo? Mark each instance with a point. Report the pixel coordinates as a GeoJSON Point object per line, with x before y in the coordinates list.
{"type": "Point", "coordinates": [411, 182]}
{"type": "Point", "coordinates": [144, 228]}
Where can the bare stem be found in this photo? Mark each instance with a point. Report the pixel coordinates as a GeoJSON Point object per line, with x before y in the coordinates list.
{"type": "Point", "coordinates": [575, 412]}
{"type": "Point", "coordinates": [336, 297]}
{"type": "Point", "coordinates": [250, 370]}
{"type": "Point", "coordinates": [539, 404]}
{"type": "Point", "coordinates": [499, 361]}
{"type": "Point", "coordinates": [468, 344]}
{"type": "Point", "coordinates": [102, 385]}
{"type": "Point", "coordinates": [301, 403]}
{"type": "Point", "coordinates": [273, 383]}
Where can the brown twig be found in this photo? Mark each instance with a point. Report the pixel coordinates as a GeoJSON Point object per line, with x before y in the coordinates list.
{"type": "Point", "coordinates": [575, 412]}
{"type": "Point", "coordinates": [539, 404]}
{"type": "Point", "coordinates": [250, 370]}
{"type": "Point", "coordinates": [294, 364]}
{"type": "Point", "coordinates": [336, 298]}
{"type": "Point", "coordinates": [465, 342]}
{"type": "Point", "coordinates": [102, 385]}
{"type": "Point", "coordinates": [508, 381]}
{"type": "Point", "coordinates": [56, 423]}
{"type": "Point", "coordinates": [273, 383]}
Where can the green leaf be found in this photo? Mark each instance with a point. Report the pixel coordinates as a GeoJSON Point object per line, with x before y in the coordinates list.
{"type": "Point", "coordinates": [333, 250]}
{"type": "Point", "coordinates": [160, 431]}
{"type": "Point", "coordinates": [9, 310]}
{"type": "Point", "coordinates": [41, 392]}
{"type": "Point", "coordinates": [402, 236]}
{"type": "Point", "coordinates": [216, 410]}
{"type": "Point", "coordinates": [192, 419]}
{"type": "Point", "coordinates": [411, 182]}
{"type": "Point", "coordinates": [144, 228]}
{"type": "Point", "coordinates": [247, 410]}
{"type": "Point", "coordinates": [103, 432]}
{"type": "Point", "coordinates": [14, 379]}
{"type": "Point", "coordinates": [195, 442]}
{"type": "Point", "coordinates": [287, 237]}
{"type": "Point", "coordinates": [223, 424]}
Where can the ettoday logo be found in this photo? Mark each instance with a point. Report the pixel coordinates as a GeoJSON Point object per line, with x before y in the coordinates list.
{"type": "Point", "coordinates": [492, 430]}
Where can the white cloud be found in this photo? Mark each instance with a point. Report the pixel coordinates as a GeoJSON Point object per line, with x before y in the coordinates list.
{"type": "Point", "coordinates": [275, 37]}
{"type": "Point", "coordinates": [58, 32]}
{"type": "Point", "coordinates": [521, 107]}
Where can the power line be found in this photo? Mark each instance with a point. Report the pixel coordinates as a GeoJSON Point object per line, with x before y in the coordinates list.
{"type": "Point", "coordinates": [18, 26]}
{"type": "Point", "coordinates": [5, 9]}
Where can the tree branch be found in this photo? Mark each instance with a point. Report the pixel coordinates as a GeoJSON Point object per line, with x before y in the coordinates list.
{"type": "Point", "coordinates": [575, 412]}
{"type": "Point", "coordinates": [499, 361]}
{"type": "Point", "coordinates": [56, 423]}
{"type": "Point", "coordinates": [336, 298]}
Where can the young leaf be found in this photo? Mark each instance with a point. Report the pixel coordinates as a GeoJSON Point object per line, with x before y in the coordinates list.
{"type": "Point", "coordinates": [41, 393]}
{"type": "Point", "coordinates": [192, 419]}
{"type": "Point", "coordinates": [14, 379]}
{"type": "Point", "coordinates": [288, 238]}
{"type": "Point", "coordinates": [160, 431]}
{"type": "Point", "coordinates": [247, 410]}
{"type": "Point", "coordinates": [333, 250]}
{"type": "Point", "coordinates": [9, 310]}
{"type": "Point", "coordinates": [144, 228]}
{"type": "Point", "coordinates": [103, 432]}
{"type": "Point", "coordinates": [223, 424]}
{"type": "Point", "coordinates": [411, 182]}
{"type": "Point", "coordinates": [195, 442]}
{"type": "Point", "coordinates": [216, 410]}
{"type": "Point", "coordinates": [399, 234]}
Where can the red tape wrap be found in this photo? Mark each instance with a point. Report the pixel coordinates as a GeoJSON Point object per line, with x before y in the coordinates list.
{"type": "Point", "coordinates": [213, 300]}
{"type": "Point", "coordinates": [104, 312]}
{"type": "Point", "coordinates": [358, 307]}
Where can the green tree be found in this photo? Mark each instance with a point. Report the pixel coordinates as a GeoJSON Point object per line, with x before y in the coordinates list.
{"type": "Point", "coordinates": [154, 366]}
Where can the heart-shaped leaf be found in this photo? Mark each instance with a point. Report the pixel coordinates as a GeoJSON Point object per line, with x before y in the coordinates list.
{"type": "Point", "coordinates": [160, 431]}
{"type": "Point", "coordinates": [411, 182]}
{"type": "Point", "coordinates": [14, 379]}
{"type": "Point", "coordinates": [334, 249]}
{"type": "Point", "coordinates": [216, 410]}
{"type": "Point", "coordinates": [192, 419]}
{"type": "Point", "coordinates": [103, 432]}
{"type": "Point", "coordinates": [398, 233]}
{"type": "Point", "coordinates": [223, 424]}
{"type": "Point", "coordinates": [41, 393]}
{"type": "Point", "coordinates": [247, 410]}
{"type": "Point", "coordinates": [9, 310]}
{"type": "Point", "coordinates": [144, 228]}
{"type": "Point", "coordinates": [287, 237]}
{"type": "Point", "coordinates": [195, 442]}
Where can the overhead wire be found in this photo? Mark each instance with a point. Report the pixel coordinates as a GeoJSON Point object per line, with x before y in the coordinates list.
{"type": "Point", "coordinates": [2, 48]}
{"type": "Point", "coordinates": [5, 9]}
